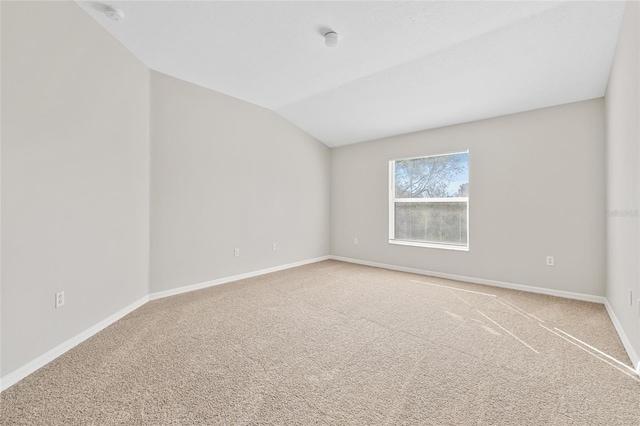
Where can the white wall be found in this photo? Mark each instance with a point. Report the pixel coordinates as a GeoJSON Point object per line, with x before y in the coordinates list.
{"type": "Point", "coordinates": [75, 177]}
{"type": "Point", "coordinates": [228, 174]}
{"type": "Point", "coordinates": [536, 189]}
{"type": "Point", "coordinates": [623, 178]}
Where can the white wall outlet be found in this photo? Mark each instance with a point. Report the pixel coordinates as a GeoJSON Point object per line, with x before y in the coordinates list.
{"type": "Point", "coordinates": [274, 247]}
{"type": "Point", "coordinates": [550, 261]}
{"type": "Point", "coordinates": [355, 240]}
{"type": "Point", "coordinates": [59, 299]}
{"type": "Point", "coordinates": [236, 252]}
{"type": "Point", "coordinates": [630, 297]}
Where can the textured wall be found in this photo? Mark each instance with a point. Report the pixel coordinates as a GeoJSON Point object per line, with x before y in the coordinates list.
{"type": "Point", "coordinates": [75, 177]}
{"type": "Point", "coordinates": [228, 174]}
{"type": "Point", "coordinates": [536, 189]}
{"type": "Point", "coordinates": [623, 179]}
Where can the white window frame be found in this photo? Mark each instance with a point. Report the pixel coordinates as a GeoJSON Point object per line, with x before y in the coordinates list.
{"type": "Point", "coordinates": [393, 200]}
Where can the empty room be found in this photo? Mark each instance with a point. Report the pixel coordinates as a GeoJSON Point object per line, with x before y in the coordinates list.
{"type": "Point", "coordinates": [320, 212]}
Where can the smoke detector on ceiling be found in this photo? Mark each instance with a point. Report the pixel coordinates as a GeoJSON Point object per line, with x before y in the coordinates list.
{"type": "Point", "coordinates": [113, 13]}
{"type": "Point", "coordinates": [331, 39]}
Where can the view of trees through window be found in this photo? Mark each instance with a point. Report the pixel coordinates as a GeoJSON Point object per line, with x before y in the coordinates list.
{"type": "Point", "coordinates": [430, 199]}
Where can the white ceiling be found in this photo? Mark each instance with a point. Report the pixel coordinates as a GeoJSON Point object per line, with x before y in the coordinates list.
{"type": "Point", "coordinates": [399, 67]}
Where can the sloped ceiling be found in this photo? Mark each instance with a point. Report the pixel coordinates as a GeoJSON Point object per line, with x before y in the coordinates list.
{"type": "Point", "coordinates": [399, 67]}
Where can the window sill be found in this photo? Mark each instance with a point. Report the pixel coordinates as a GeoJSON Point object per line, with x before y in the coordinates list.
{"type": "Point", "coordinates": [429, 245]}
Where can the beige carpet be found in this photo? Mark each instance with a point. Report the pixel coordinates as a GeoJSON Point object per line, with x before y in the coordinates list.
{"type": "Point", "coordinates": [336, 343]}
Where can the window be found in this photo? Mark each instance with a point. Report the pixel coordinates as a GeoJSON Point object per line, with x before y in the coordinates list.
{"type": "Point", "coordinates": [429, 201]}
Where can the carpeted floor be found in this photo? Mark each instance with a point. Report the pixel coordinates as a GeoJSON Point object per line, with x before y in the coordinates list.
{"type": "Point", "coordinates": [337, 343]}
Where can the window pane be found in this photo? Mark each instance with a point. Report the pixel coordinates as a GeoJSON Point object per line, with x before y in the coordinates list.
{"type": "Point", "coordinates": [444, 223]}
{"type": "Point", "coordinates": [442, 176]}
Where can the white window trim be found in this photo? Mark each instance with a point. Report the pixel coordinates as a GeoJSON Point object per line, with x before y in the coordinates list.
{"type": "Point", "coordinates": [392, 210]}
{"type": "Point", "coordinates": [428, 245]}
{"type": "Point", "coordinates": [431, 200]}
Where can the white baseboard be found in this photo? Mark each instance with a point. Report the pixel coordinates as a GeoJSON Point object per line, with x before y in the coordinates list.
{"type": "Point", "coordinates": [635, 359]}
{"type": "Point", "coordinates": [22, 372]}
{"type": "Point", "coordinates": [530, 289]}
{"type": "Point", "coordinates": [200, 286]}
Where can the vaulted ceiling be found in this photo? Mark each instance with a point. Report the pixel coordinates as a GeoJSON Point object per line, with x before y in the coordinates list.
{"type": "Point", "coordinates": [398, 67]}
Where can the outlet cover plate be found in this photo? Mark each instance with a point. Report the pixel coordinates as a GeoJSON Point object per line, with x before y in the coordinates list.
{"type": "Point", "coordinates": [59, 299]}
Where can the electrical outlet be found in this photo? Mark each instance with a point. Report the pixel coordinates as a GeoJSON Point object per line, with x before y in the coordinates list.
{"type": "Point", "coordinates": [355, 240]}
{"type": "Point", "coordinates": [274, 247]}
{"type": "Point", "coordinates": [236, 252]}
{"type": "Point", "coordinates": [550, 261]}
{"type": "Point", "coordinates": [630, 297]}
{"type": "Point", "coordinates": [59, 299]}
